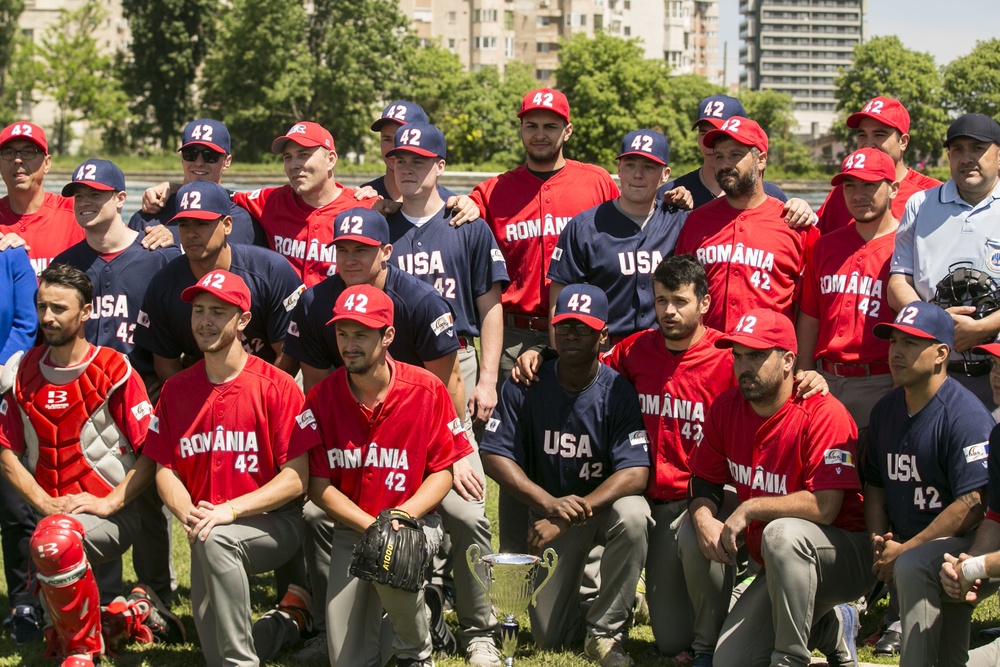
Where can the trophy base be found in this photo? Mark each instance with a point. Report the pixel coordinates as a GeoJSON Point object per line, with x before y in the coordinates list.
{"type": "Point", "coordinates": [509, 629]}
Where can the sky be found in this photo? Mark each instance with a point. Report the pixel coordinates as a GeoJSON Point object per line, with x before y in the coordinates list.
{"type": "Point", "coordinates": [918, 23]}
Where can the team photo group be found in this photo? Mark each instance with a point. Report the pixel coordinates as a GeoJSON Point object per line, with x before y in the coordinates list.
{"type": "Point", "coordinates": [705, 406]}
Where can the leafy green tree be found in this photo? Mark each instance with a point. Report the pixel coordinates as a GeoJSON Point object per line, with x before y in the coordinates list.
{"type": "Point", "coordinates": [613, 90]}
{"type": "Point", "coordinates": [685, 95]}
{"type": "Point", "coordinates": [78, 75]}
{"type": "Point", "coordinates": [480, 120]}
{"type": "Point", "coordinates": [10, 11]}
{"type": "Point", "coordinates": [434, 77]}
{"type": "Point", "coordinates": [258, 79]}
{"type": "Point", "coordinates": [170, 39]}
{"type": "Point", "coordinates": [972, 82]}
{"type": "Point", "coordinates": [774, 111]}
{"type": "Point", "coordinates": [883, 66]}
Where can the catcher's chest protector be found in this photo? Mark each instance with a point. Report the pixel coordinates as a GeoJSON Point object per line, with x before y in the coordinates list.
{"type": "Point", "coordinates": [68, 431]}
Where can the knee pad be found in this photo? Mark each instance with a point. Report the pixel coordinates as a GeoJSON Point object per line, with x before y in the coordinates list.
{"type": "Point", "coordinates": [68, 587]}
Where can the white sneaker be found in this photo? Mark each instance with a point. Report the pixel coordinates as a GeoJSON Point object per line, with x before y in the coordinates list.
{"type": "Point", "coordinates": [606, 652]}
{"type": "Point", "coordinates": [483, 652]}
{"type": "Point", "coordinates": [314, 650]}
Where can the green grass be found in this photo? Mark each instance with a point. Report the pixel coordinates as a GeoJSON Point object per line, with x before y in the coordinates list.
{"type": "Point", "coordinates": [640, 644]}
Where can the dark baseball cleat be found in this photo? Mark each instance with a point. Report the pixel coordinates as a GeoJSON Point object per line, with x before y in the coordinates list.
{"type": "Point", "coordinates": [22, 624]}
{"type": "Point", "coordinates": [165, 626]}
{"type": "Point", "coordinates": [888, 644]}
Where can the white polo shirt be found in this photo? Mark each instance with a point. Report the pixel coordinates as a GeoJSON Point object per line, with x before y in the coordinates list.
{"type": "Point", "coordinates": [939, 229]}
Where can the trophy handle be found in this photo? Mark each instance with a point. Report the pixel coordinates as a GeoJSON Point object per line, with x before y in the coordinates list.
{"type": "Point", "coordinates": [549, 560]}
{"type": "Point", "coordinates": [472, 557]}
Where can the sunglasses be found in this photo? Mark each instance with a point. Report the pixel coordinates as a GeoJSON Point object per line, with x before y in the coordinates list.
{"type": "Point", "coordinates": [191, 155]}
{"type": "Point", "coordinates": [578, 328]}
{"type": "Point", "coordinates": [28, 153]}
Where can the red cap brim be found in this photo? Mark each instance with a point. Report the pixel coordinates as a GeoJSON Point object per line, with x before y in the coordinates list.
{"type": "Point", "coordinates": [989, 348]}
{"type": "Point", "coordinates": [885, 329]}
{"type": "Point", "coordinates": [197, 215]}
{"type": "Point", "coordinates": [590, 321]}
{"type": "Point", "coordinates": [649, 157]}
{"type": "Point", "coordinates": [370, 322]}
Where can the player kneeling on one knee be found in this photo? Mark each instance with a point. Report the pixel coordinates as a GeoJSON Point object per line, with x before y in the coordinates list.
{"type": "Point", "coordinates": [573, 449]}
{"type": "Point", "coordinates": [226, 468]}
{"type": "Point", "coordinates": [366, 457]}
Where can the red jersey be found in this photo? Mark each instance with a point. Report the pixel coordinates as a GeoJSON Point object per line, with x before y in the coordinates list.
{"type": "Point", "coordinates": [751, 257]}
{"type": "Point", "coordinates": [377, 458]}
{"type": "Point", "coordinates": [67, 394]}
{"type": "Point", "coordinates": [225, 440]}
{"type": "Point", "coordinates": [833, 214]}
{"type": "Point", "coordinates": [298, 231]}
{"type": "Point", "coordinates": [844, 287]}
{"type": "Point", "coordinates": [674, 394]}
{"type": "Point", "coordinates": [526, 215]}
{"type": "Point", "coordinates": [807, 445]}
{"type": "Point", "coordinates": [48, 231]}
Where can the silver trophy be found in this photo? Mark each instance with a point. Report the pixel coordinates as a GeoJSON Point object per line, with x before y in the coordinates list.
{"type": "Point", "coordinates": [512, 589]}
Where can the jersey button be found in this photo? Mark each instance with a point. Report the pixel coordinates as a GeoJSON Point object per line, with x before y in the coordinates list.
{"type": "Point", "coordinates": [315, 226]}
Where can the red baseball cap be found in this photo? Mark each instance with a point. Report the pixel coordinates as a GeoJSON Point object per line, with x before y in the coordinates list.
{"type": "Point", "coordinates": [545, 99]}
{"type": "Point", "coordinates": [867, 164]}
{"type": "Point", "coordinates": [223, 285]}
{"type": "Point", "coordinates": [762, 329]}
{"type": "Point", "coordinates": [886, 110]}
{"type": "Point", "coordinates": [365, 304]}
{"type": "Point", "coordinates": [743, 130]}
{"type": "Point", "coordinates": [305, 134]}
{"type": "Point", "coordinates": [990, 348]}
{"type": "Point", "coordinates": [25, 131]}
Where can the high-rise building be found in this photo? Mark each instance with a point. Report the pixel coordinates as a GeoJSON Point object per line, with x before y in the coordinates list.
{"type": "Point", "coordinates": [796, 47]}
{"type": "Point", "coordinates": [495, 32]}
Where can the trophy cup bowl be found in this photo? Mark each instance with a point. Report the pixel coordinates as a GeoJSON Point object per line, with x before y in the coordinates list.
{"type": "Point", "coordinates": [511, 589]}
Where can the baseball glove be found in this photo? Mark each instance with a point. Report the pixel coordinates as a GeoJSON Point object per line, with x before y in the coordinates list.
{"type": "Point", "coordinates": [394, 557]}
{"type": "Point", "coordinates": [968, 286]}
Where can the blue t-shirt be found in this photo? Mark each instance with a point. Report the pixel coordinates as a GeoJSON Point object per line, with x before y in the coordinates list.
{"type": "Point", "coordinates": [165, 322]}
{"type": "Point", "coordinates": [120, 286]}
{"type": "Point", "coordinates": [461, 263]}
{"type": "Point", "coordinates": [604, 247]}
{"type": "Point", "coordinates": [702, 195]}
{"type": "Point", "coordinates": [18, 319]}
{"type": "Point", "coordinates": [423, 320]}
{"type": "Point", "coordinates": [926, 461]}
{"type": "Point", "coordinates": [569, 443]}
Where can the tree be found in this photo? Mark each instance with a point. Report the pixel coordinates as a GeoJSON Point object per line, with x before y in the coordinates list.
{"type": "Point", "coordinates": [78, 75]}
{"type": "Point", "coordinates": [972, 82]}
{"type": "Point", "coordinates": [258, 78]}
{"type": "Point", "coordinates": [170, 39]}
{"type": "Point", "coordinates": [685, 93]}
{"type": "Point", "coordinates": [435, 76]}
{"type": "Point", "coordinates": [883, 66]}
{"type": "Point", "coordinates": [10, 11]}
{"type": "Point", "coordinates": [613, 90]}
{"type": "Point", "coordinates": [775, 113]}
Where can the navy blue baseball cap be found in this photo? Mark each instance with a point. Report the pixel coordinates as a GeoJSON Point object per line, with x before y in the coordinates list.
{"type": "Point", "coordinates": [202, 200]}
{"type": "Point", "coordinates": [647, 143]}
{"type": "Point", "coordinates": [923, 320]}
{"type": "Point", "coordinates": [96, 174]}
{"type": "Point", "coordinates": [401, 112]}
{"type": "Point", "coordinates": [206, 132]}
{"type": "Point", "coordinates": [421, 139]}
{"type": "Point", "coordinates": [717, 108]}
{"type": "Point", "coordinates": [362, 225]}
{"type": "Point", "coordinates": [586, 303]}
{"type": "Point", "coordinates": [975, 125]}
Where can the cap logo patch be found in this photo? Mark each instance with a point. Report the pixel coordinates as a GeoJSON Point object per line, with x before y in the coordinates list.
{"type": "Point", "coordinates": [907, 315]}
{"type": "Point", "coordinates": [352, 225]}
{"type": "Point", "coordinates": [357, 302]}
{"type": "Point", "coordinates": [643, 142]}
{"type": "Point", "coordinates": [201, 133]}
{"type": "Point", "coordinates": [714, 109]}
{"type": "Point", "coordinates": [732, 125]}
{"type": "Point", "coordinates": [191, 200]}
{"type": "Point", "coordinates": [544, 99]}
{"type": "Point", "coordinates": [875, 107]}
{"type": "Point", "coordinates": [746, 324]}
{"type": "Point", "coordinates": [396, 112]}
{"type": "Point", "coordinates": [298, 129]}
{"type": "Point", "coordinates": [410, 137]}
{"type": "Point", "coordinates": [580, 303]}
{"type": "Point", "coordinates": [86, 172]}
{"type": "Point", "coordinates": [855, 161]}
{"type": "Point", "coordinates": [20, 130]}
{"type": "Point", "coordinates": [213, 280]}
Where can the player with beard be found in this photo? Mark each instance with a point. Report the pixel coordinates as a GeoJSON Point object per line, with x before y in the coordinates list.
{"type": "Point", "coordinates": [752, 258]}
{"type": "Point", "coordinates": [792, 462]}
{"type": "Point", "coordinates": [678, 372]}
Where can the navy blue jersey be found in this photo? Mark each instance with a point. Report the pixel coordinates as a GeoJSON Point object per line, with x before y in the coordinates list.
{"type": "Point", "coordinates": [569, 443]}
{"type": "Point", "coordinates": [926, 461]}
{"type": "Point", "coordinates": [603, 247]}
{"type": "Point", "coordinates": [424, 322]}
{"type": "Point", "coordinates": [994, 469]}
{"type": "Point", "coordinates": [460, 263]}
{"type": "Point", "coordinates": [702, 195]}
{"type": "Point", "coordinates": [165, 322]}
{"type": "Point", "coordinates": [120, 284]}
{"type": "Point", "coordinates": [378, 184]}
{"type": "Point", "coordinates": [245, 228]}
